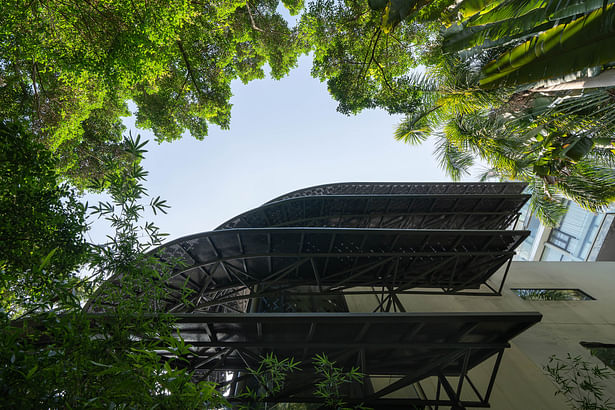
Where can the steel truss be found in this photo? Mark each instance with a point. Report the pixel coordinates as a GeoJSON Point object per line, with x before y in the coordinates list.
{"type": "Point", "coordinates": [309, 249]}
{"type": "Point", "coordinates": [442, 211]}
{"type": "Point", "coordinates": [330, 240]}
{"type": "Point", "coordinates": [223, 267]}
{"type": "Point", "coordinates": [407, 347]}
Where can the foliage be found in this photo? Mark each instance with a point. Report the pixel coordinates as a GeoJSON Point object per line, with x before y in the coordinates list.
{"type": "Point", "coordinates": [580, 382]}
{"type": "Point", "coordinates": [560, 143]}
{"type": "Point", "coordinates": [56, 361]}
{"type": "Point", "coordinates": [365, 64]}
{"type": "Point", "coordinates": [42, 226]}
{"type": "Point", "coordinates": [271, 374]}
{"type": "Point", "coordinates": [60, 355]}
{"type": "Point", "coordinates": [558, 38]}
{"type": "Point", "coordinates": [332, 379]}
{"type": "Point", "coordinates": [68, 68]}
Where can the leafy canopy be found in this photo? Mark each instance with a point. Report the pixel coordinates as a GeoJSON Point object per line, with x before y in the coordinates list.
{"type": "Point", "coordinates": [68, 68]}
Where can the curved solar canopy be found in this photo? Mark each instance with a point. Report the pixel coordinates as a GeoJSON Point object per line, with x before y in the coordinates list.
{"type": "Point", "coordinates": [403, 347]}
{"type": "Point", "coordinates": [401, 188]}
{"type": "Point", "coordinates": [304, 251]}
{"type": "Point", "coordinates": [328, 240]}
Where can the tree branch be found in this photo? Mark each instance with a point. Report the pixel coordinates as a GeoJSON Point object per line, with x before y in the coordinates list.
{"type": "Point", "coordinates": [36, 96]}
{"type": "Point", "coordinates": [188, 66]}
{"type": "Point", "coordinates": [252, 19]}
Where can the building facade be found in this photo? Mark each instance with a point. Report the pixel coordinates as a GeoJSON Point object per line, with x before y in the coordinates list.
{"type": "Point", "coordinates": [411, 283]}
{"type": "Point", "coordinates": [570, 325]}
{"type": "Point", "coordinates": [580, 236]}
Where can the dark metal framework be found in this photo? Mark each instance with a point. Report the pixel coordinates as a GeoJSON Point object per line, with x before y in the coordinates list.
{"type": "Point", "coordinates": [420, 211]}
{"type": "Point", "coordinates": [387, 239]}
{"type": "Point", "coordinates": [305, 251]}
{"type": "Point", "coordinates": [401, 188]}
{"type": "Point", "coordinates": [407, 347]}
{"type": "Point", "coordinates": [335, 260]}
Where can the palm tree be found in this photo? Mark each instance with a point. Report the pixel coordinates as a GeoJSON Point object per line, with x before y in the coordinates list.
{"type": "Point", "coordinates": [560, 142]}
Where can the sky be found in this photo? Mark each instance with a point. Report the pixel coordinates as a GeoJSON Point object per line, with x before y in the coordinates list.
{"type": "Point", "coordinates": [284, 135]}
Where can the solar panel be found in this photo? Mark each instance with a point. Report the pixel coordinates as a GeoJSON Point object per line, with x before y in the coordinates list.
{"type": "Point", "coordinates": [410, 346]}
{"type": "Point", "coordinates": [420, 211]}
{"type": "Point", "coordinates": [400, 188]}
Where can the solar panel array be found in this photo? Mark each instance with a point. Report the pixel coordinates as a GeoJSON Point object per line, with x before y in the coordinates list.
{"type": "Point", "coordinates": [332, 238]}
{"type": "Point", "coordinates": [299, 254]}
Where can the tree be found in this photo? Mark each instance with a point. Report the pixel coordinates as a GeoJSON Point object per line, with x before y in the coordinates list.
{"type": "Point", "coordinates": [68, 68]}
{"type": "Point", "coordinates": [560, 142]}
{"type": "Point", "coordinates": [365, 63]}
{"type": "Point", "coordinates": [482, 58]}
{"type": "Point", "coordinates": [53, 352]}
{"type": "Point", "coordinates": [42, 225]}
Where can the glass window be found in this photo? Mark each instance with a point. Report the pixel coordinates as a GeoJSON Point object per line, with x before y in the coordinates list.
{"type": "Point", "coordinates": [552, 294]}
{"type": "Point", "coordinates": [604, 352]}
{"type": "Point", "coordinates": [552, 254]}
{"type": "Point", "coordinates": [576, 233]}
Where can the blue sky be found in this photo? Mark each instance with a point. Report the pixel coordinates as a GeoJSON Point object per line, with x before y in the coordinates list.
{"type": "Point", "coordinates": [284, 135]}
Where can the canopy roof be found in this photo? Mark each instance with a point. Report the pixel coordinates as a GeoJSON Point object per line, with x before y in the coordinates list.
{"type": "Point", "coordinates": [330, 239]}
{"type": "Point", "coordinates": [306, 250]}
{"type": "Point", "coordinates": [269, 260]}
{"type": "Point", "coordinates": [401, 188]}
{"type": "Point", "coordinates": [406, 346]}
{"type": "Point", "coordinates": [417, 211]}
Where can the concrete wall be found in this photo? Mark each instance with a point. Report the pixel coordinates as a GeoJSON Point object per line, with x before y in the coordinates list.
{"type": "Point", "coordinates": [521, 382]}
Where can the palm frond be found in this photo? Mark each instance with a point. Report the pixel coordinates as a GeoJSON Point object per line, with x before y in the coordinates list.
{"type": "Point", "coordinates": [495, 34]}
{"type": "Point", "coordinates": [415, 128]}
{"type": "Point", "coordinates": [487, 174]}
{"type": "Point", "coordinates": [454, 162]}
{"type": "Point", "coordinates": [565, 48]}
{"type": "Point", "coordinates": [548, 206]}
{"type": "Point", "coordinates": [589, 185]}
{"type": "Point", "coordinates": [602, 156]}
{"type": "Point", "coordinates": [506, 10]}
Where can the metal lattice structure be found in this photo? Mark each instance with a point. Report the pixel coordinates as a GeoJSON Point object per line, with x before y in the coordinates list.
{"type": "Point", "coordinates": [302, 253]}
{"type": "Point", "coordinates": [329, 240]}
{"type": "Point", "coordinates": [405, 346]}
{"type": "Point", "coordinates": [335, 260]}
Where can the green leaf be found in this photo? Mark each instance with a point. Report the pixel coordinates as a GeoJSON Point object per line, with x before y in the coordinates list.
{"type": "Point", "coordinates": [377, 4]}
{"type": "Point", "coordinates": [47, 259]}
{"type": "Point", "coordinates": [585, 42]}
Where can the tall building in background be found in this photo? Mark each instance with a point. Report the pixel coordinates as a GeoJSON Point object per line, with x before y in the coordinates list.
{"type": "Point", "coordinates": [580, 236]}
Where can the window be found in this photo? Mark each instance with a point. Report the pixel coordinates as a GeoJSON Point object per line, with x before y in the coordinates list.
{"type": "Point", "coordinates": [572, 240]}
{"type": "Point", "coordinates": [604, 352]}
{"type": "Point", "coordinates": [552, 294]}
{"type": "Point", "coordinates": [531, 223]}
